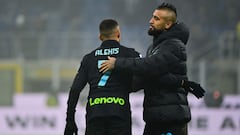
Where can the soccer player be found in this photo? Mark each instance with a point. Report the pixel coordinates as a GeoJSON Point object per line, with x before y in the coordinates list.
{"type": "Point", "coordinates": [108, 108]}
{"type": "Point", "coordinates": [166, 109]}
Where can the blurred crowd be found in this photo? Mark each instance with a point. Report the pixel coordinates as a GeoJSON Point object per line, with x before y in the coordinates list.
{"type": "Point", "coordinates": [68, 29]}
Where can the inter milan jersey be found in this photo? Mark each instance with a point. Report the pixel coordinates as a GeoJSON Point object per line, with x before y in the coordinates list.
{"type": "Point", "coordinates": [109, 92]}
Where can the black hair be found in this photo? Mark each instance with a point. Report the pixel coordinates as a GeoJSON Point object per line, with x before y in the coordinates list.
{"type": "Point", "coordinates": [107, 27]}
{"type": "Point", "coordinates": [168, 6]}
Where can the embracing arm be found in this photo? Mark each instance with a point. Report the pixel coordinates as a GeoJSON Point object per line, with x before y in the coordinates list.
{"type": "Point", "coordinates": [155, 64]}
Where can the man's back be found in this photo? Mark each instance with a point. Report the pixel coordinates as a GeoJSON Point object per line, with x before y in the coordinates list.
{"type": "Point", "coordinates": [109, 92]}
{"type": "Point", "coordinates": [108, 107]}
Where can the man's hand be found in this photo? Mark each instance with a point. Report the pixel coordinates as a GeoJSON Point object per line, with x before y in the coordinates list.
{"type": "Point", "coordinates": [71, 128]}
{"type": "Point", "coordinates": [194, 88]}
{"type": "Point", "coordinates": [108, 64]}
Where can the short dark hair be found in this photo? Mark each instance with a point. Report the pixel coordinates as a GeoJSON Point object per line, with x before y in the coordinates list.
{"type": "Point", "coordinates": [169, 7]}
{"type": "Point", "coordinates": [107, 27]}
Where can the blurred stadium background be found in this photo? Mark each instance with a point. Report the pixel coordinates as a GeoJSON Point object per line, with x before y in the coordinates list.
{"type": "Point", "coordinates": [43, 41]}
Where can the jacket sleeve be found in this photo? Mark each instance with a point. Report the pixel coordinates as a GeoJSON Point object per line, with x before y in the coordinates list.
{"type": "Point", "coordinates": [79, 83]}
{"type": "Point", "coordinates": [158, 63]}
{"type": "Point", "coordinates": [138, 83]}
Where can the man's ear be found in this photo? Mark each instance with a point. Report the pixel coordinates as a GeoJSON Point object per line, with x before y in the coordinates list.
{"type": "Point", "coordinates": [119, 34]}
{"type": "Point", "coordinates": [100, 37]}
{"type": "Point", "coordinates": [168, 25]}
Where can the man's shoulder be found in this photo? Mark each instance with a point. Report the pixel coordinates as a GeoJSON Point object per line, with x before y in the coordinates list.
{"type": "Point", "coordinates": [125, 47]}
{"type": "Point", "coordinates": [92, 53]}
{"type": "Point", "coordinates": [172, 42]}
{"type": "Point", "coordinates": [88, 56]}
{"type": "Point", "coordinates": [130, 49]}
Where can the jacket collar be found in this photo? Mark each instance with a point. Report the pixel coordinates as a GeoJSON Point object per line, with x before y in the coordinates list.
{"type": "Point", "coordinates": [178, 30]}
{"type": "Point", "coordinates": [108, 43]}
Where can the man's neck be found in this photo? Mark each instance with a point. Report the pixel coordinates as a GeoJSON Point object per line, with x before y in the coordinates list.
{"type": "Point", "coordinates": [116, 39]}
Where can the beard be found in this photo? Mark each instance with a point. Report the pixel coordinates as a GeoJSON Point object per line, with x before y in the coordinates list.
{"type": "Point", "coordinates": [154, 32]}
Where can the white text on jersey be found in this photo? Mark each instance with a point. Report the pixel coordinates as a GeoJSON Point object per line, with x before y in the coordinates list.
{"type": "Point", "coordinates": [108, 51]}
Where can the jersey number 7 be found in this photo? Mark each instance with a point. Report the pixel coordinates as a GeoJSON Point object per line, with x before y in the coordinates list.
{"type": "Point", "coordinates": [103, 80]}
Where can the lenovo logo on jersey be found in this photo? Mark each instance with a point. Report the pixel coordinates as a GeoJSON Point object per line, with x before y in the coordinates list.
{"type": "Point", "coordinates": [106, 100]}
{"type": "Point", "coordinates": [108, 51]}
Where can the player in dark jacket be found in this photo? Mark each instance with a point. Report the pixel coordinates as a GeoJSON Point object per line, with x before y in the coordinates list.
{"type": "Point", "coordinates": [166, 110]}
{"type": "Point", "coordinates": [108, 108]}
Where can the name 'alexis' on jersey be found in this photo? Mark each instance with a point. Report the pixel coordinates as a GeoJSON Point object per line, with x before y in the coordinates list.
{"type": "Point", "coordinates": [108, 51]}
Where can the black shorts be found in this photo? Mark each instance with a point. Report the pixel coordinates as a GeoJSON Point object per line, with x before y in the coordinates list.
{"type": "Point", "coordinates": [159, 129]}
{"type": "Point", "coordinates": [109, 126]}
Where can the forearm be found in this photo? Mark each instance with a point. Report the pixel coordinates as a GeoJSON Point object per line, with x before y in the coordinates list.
{"type": "Point", "coordinates": [156, 64]}
{"type": "Point", "coordinates": [72, 100]}
{"type": "Point", "coordinates": [77, 86]}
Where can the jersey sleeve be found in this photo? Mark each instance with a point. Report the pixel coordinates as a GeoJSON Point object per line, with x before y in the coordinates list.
{"type": "Point", "coordinates": [79, 83]}
{"type": "Point", "coordinates": [137, 83]}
